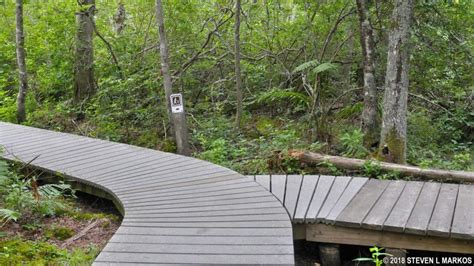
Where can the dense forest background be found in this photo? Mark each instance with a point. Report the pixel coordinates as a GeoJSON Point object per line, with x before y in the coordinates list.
{"type": "Point", "coordinates": [302, 77]}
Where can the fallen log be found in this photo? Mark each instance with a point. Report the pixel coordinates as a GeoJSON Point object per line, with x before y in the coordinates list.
{"type": "Point", "coordinates": [406, 170]}
{"type": "Point", "coordinates": [82, 233]}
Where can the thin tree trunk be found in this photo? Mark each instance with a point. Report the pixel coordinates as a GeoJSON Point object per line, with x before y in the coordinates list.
{"type": "Point", "coordinates": [20, 57]}
{"type": "Point", "coordinates": [177, 120]}
{"type": "Point", "coordinates": [119, 19]}
{"type": "Point", "coordinates": [394, 120]}
{"type": "Point", "coordinates": [238, 77]}
{"type": "Point", "coordinates": [84, 84]}
{"type": "Point", "coordinates": [370, 126]}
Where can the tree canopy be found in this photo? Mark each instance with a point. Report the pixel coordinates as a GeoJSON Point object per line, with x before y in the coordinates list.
{"type": "Point", "coordinates": [302, 76]}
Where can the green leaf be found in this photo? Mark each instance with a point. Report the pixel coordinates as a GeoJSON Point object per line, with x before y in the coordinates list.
{"type": "Point", "coordinates": [306, 65]}
{"type": "Point", "coordinates": [324, 67]}
{"type": "Point", "coordinates": [363, 259]}
{"type": "Point", "coordinates": [8, 215]}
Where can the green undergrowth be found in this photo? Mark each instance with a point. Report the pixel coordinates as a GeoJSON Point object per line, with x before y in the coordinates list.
{"type": "Point", "coordinates": [18, 251]}
{"type": "Point", "coordinates": [37, 218]}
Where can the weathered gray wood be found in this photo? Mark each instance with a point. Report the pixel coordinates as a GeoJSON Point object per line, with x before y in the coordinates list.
{"type": "Point", "coordinates": [330, 254]}
{"type": "Point", "coordinates": [174, 258]}
{"type": "Point", "coordinates": [213, 213]}
{"type": "Point", "coordinates": [166, 231]}
{"type": "Point", "coordinates": [227, 202]}
{"type": "Point", "coordinates": [278, 186]}
{"type": "Point", "coordinates": [241, 206]}
{"type": "Point", "coordinates": [209, 218]}
{"type": "Point", "coordinates": [355, 212]}
{"type": "Point", "coordinates": [177, 210]}
{"type": "Point", "coordinates": [263, 180]}
{"type": "Point", "coordinates": [351, 190]}
{"type": "Point", "coordinates": [401, 211]}
{"type": "Point", "coordinates": [293, 186]}
{"type": "Point", "coordinates": [198, 240]}
{"type": "Point", "coordinates": [463, 222]}
{"type": "Point", "coordinates": [384, 205]}
{"type": "Point", "coordinates": [212, 199]}
{"type": "Point", "coordinates": [236, 191]}
{"type": "Point", "coordinates": [421, 214]}
{"type": "Point", "coordinates": [183, 182]}
{"type": "Point", "coordinates": [216, 186]}
{"type": "Point", "coordinates": [306, 195]}
{"type": "Point", "coordinates": [322, 190]}
{"type": "Point", "coordinates": [203, 248]}
{"type": "Point", "coordinates": [336, 191]}
{"type": "Point", "coordinates": [442, 217]}
{"type": "Point", "coordinates": [274, 224]}
{"type": "Point", "coordinates": [193, 169]}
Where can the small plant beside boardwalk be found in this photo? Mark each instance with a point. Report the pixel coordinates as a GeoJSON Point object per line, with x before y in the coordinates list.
{"type": "Point", "coordinates": [45, 224]}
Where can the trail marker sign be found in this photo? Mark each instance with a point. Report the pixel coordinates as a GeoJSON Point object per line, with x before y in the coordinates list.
{"type": "Point", "coordinates": [176, 101]}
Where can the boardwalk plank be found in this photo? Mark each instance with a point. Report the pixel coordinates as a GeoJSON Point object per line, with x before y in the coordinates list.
{"type": "Point", "coordinates": [201, 240]}
{"type": "Point", "coordinates": [210, 218]}
{"type": "Point", "coordinates": [463, 223]}
{"type": "Point", "coordinates": [195, 258]}
{"type": "Point", "coordinates": [306, 194]}
{"type": "Point", "coordinates": [274, 224]}
{"type": "Point", "coordinates": [379, 213]}
{"type": "Point", "coordinates": [263, 180]}
{"type": "Point", "coordinates": [293, 186]}
{"type": "Point", "coordinates": [322, 190]}
{"type": "Point", "coordinates": [401, 211]}
{"type": "Point", "coordinates": [335, 193]}
{"type": "Point", "coordinates": [362, 203]}
{"type": "Point", "coordinates": [205, 249]}
{"type": "Point", "coordinates": [256, 232]}
{"type": "Point", "coordinates": [440, 222]}
{"type": "Point", "coordinates": [351, 190]}
{"type": "Point", "coordinates": [421, 214]}
{"type": "Point", "coordinates": [278, 186]}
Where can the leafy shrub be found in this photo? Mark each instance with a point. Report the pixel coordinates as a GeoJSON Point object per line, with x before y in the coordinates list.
{"type": "Point", "coordinates": [7, 215]}
{"type": "Point", "coordinates": [18, 195]}
{"type": "Point", "coordinates": [353, 144]}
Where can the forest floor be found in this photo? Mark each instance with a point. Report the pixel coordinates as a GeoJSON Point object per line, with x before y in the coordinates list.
{"type": "Point", "coordinates": [48, 240]}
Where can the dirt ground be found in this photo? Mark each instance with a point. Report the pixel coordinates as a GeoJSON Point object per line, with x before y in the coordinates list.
{"type": "Point", "coordinates": [91, 209]}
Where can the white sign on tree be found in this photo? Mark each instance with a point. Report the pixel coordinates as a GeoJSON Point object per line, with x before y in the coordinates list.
{"type": "Point", "coordinates": [176, 101]}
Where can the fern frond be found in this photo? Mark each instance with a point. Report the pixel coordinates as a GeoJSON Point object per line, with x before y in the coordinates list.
{"type": "Point", "coordinates": [324, 67]}
{"type": "Point", "coordinates": [54, 190]}
{"type": "Point", "coordinates": [280, 95]}
{"type": "Point", "coordinates": [7, 215]}
{"type": "Point", "coordinates": [306, 65]}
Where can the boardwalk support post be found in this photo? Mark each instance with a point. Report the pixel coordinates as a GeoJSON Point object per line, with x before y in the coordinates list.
{"type": "Point", "coordinates": [398, 254]}
{"type": "Point", "coordinates": [329, 254]}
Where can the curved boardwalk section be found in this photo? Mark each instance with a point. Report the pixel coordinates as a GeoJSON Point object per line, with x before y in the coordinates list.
{"type": "Point", "coordinates": [177, 210]}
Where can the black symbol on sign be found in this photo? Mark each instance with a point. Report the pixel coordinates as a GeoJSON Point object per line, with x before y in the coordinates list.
{"type": "Point", "coordinates": [176, 101]}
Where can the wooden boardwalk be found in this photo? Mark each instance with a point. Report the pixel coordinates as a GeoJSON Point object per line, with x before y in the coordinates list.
{"type": "Point", "coordinates": [177, 210]}
{"type": "Point", "coordinates": [181, 210]}
{"type": "Point", "coordinates": [418, 208]}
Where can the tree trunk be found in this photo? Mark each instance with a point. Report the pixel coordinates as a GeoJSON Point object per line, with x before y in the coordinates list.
{"type": "Point", "coordinates": [394, 120]}
{"type": "Point", "coordinates": [20, 57]}
{"type": "Point", "coordinates": [406, 170]}
{"type": "Point", "coordinates": [177, 120]}
{"type": "Point", "coordinates": [84, 84]}
{"type": "Point", "coordinates": [119, 19]}
{"type": "Point", "coordinates": [370, 126]}
{"type": "Point", "coordinates": [238, 78]}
